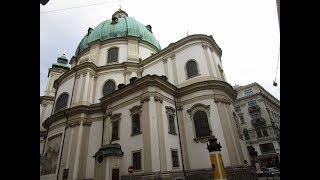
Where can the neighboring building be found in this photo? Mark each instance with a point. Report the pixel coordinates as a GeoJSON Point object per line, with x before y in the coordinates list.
{"type": "Point", "coordinates": [259, 119]}
{"type": "Point", "coordinates": [125, 102]}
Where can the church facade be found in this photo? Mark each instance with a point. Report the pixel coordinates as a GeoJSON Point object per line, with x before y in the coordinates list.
{"type": "Point", "coordinates": [126, 104]}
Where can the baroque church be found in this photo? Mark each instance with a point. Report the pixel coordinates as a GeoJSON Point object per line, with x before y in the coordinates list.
{"type": "Point", "coordinates": [127, 109]}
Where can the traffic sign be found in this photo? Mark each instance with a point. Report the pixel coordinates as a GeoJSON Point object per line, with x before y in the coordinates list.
{"type": "Point", "coordinates": [130, 169]}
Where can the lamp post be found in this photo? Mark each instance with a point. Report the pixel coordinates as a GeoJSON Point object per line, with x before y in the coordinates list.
{"type": "Point", "coordinates": [214, 149]}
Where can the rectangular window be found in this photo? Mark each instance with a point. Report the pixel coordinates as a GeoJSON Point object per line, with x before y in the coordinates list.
{"type": "Point", "coordinates": [135, 124]}
{"type": "Point", "coordinates": [248, 92]}
{"type": "Point", "coordinates": [238, 109]}
{"type": "Point", "coordinates": [259, 134]}
{"type": "Point", "coordinates": [267, 148]}
{"type": "Point", "coordinates": [136, 160]}
{"type": "Point", "coordinates": [112, 55]}
{"type": "Point", "coordinates": [252, 103]}
{"type": "Point", "coordinates": [115, 130]}
{"type": "Point", "coordinates": [241, 119]}
{"type": "Point", "coordinates": [172, 128]}
{"type": "Point", "coordinates": [265, 132]}
{"type": "Point", "coordinates": [175, 158]}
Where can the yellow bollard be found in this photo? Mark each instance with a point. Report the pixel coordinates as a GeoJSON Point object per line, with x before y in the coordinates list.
{"type": "Point", "coordinates": [216, 160]}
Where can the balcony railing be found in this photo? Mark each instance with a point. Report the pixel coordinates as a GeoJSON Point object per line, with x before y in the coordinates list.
{"type": "Point", "coordinates": [258, 122]}
{"type": "Point", "coordinates": [254, 108]}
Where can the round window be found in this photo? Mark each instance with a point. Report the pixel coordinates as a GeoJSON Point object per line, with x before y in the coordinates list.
{"type": "Point", "coordinates": [100, 159]}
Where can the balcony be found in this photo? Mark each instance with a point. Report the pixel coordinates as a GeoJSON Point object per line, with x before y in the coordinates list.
{"type": "Point", "coordinates": [254, 108]}
{"type": "Point", "coordinates": [258, 122]}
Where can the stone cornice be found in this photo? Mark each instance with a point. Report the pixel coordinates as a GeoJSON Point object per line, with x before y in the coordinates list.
{"type": "Point", "coordinates": [93, 108]}
{"type": "Point", "coordinates": [173, 46]}
{"type": "Point", "coordinates": [144, 82]}
{"type": "Point", "coordinates": [57, 70]}
{"type": "Point", "coordinates": [93, 69]}
{"type": "Point", "coordinates": [256, 84]}
{"type": "Point", "coordinates": [47, 98]}
{"type": "Point", "coordinates": [210, 84]}
{"type": "Point", "coordinates": [99, 42]}
{"type": "Point", "coordinates": [255, 95]}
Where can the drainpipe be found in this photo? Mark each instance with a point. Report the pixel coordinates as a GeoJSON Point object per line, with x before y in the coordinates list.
{"type": "Point", "coordinates": [65, 127]}
{"type": "Point", "coordinates": [175, 104]}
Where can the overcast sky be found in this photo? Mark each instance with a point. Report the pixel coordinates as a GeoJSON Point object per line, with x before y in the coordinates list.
{"type": "Point", "coordinates": [247, 31]}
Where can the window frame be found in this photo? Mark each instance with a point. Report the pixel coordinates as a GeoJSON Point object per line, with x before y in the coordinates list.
{"type": "Point", "coordinates": [205, 108]}
{"type": "Point", "coordinates": [186, 69]}
{"type": "Point", "coordinates": [108, 50]}
{"type": "Point", "coordinates": [170, 111]}
{"type": "Point", "coordinates": [244, 134]}
{"type": "Point", "coordinates": [252, 103]}
{"type": "Point", "coordinates": [177, 158]}
{"type": "Point", "coordinates": [104, 84]}
{"type": "Point", "coordinates": [64, 107]}
{"type": "Point", "coordinates": [248, 92]}
{"type": "Point", "coordinates": [136, 110]}
{"type": "Point", "coordinates": [115, 118]}
{"type": "Point", "coordinates": [141, 162]}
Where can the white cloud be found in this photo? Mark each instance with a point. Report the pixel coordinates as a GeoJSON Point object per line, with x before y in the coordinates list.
{"type": "Point", "coordinates": [247, 31]}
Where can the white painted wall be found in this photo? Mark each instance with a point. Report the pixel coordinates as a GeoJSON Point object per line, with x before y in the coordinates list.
{"type": "Point", "coordinates": [48, 111]}
{"type": "Point", "coordinates": [171, 141]}
{"type": "Point", "coordinates": [93, 147]}
{"type": "Point", "coordinates": [197, 152]}
{"type": "Point", "coordinates": [117, 76]}
{"type": "Point", "coordinates": [154, 135]}
{"type": "Point", "coordinates": [128, 143]}
{"type": "Point", "coordinates": [156, 68]}
{"type": "Point", "coordinates": [122, 54]}
{"type": "Point", "coordinates": [144, 52]}
{"type": "Point", "coordinates": [66, 86]}
{"type": "Point", "coordinates": [195, 52]}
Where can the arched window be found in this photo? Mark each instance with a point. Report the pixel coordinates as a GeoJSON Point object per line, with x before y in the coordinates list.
{"type": "Point", "coordinates": [246, 134]}
{"type": "Point", "coordinates": [112, 55]}
{"type": "Point", "coordinates": [109, 87]}
{"type": "Point", "coordinates": [62, 101]}
{"type": "Point", "coordinates": [201, 124]}
{"type": "Point", "coordinates": [192, 69]}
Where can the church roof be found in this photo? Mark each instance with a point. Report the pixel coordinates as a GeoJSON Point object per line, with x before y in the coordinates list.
{"type": "Point", "coordinates": [62, 62]}
{"type": "Point", "coordinates": [119, 26]}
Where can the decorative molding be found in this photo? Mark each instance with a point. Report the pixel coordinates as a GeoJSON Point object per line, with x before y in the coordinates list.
{"type": "Point", "coordinates": [180, 108]}
{"type": "Point", "coordinates": [158, 98]}
{"type": "Point", "coordinates": [86, 123]}
{"type": "Point", "coordinates": [173, 57]}
{"type": "Point", "coordinates": [135, 109]}
{"type": "Point", "coordinates": [73, 124]}
{"type": "Point", "coordinates": [203, 139]}
{"type": "Point", "coordinates": [204, 47]}
{"type": "Point", "coordinates": [115, 117]}
{"type": "Point", "coordinates": [164, 61]}
{"type": "Point", "coordinates": [144, 99]}
{"type": "Point", "coordinates": [170, 110]}
{"type": "Point", "coordinates": [206, 107]}
{"type": "Point", "coordinates": [222, 100]}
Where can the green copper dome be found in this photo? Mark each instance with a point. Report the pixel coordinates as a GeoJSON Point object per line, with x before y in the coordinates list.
{"type": "Point", "coordinates": [119, 26]}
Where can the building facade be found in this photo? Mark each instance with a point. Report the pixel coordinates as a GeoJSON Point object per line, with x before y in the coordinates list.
{"type": "Point", "coordinates": [259, 119]}
{"type": "Point", "coordinates": [125, 104]}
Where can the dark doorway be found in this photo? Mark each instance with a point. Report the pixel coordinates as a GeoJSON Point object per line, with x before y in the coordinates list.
{"type": "Point", "coordinates": [115, 174]}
